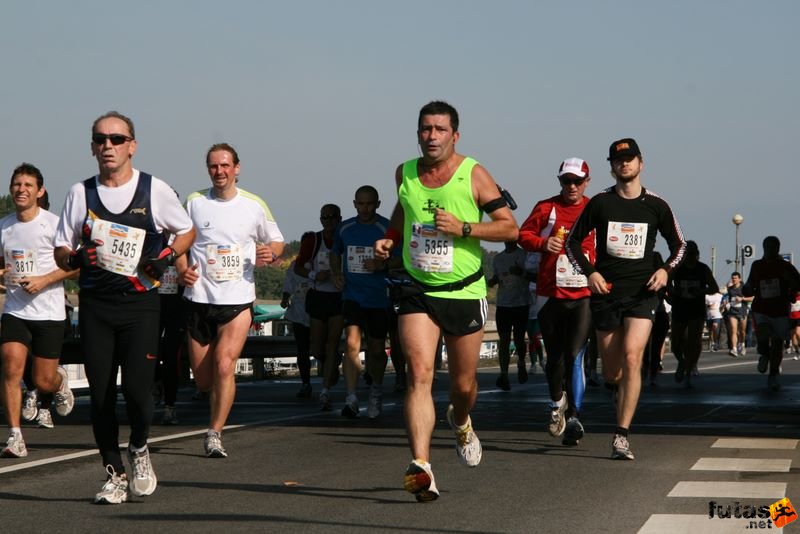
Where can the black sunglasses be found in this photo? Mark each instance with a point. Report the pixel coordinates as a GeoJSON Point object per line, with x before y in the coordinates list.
{"type": "Point", "coordinates": [116, 139]}
{"type": "Point", "coordinates": [577, 182]}
{"type": "Point", "coordinates": [328, 217]}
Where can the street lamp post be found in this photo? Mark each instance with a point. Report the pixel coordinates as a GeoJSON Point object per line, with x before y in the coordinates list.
{"type": "Point", "coordinates": [737, 220]}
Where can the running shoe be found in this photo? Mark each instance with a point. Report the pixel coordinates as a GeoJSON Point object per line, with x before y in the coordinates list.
{"type": "Point", "coordinates": [733, 354]}
{"type": "Point", "coordinates": [15, 447]}
{"type": "Point", "coordinates": [325, 402]}
{"type": "Point", "coordinates": [772, 382]}
{"type": "Point", "coordinates": [763, 363]}
{"type": "Point", "coordinates": [621, 449]}
{"type": "Point", "coordinates": [213, 445]}
{"type": "Point", "coordinates": [468, 446]}
{"type": "Point", "coordinates": [144, 478]}
{"type": "Point", "coordinates": [680, 372]}
{"type": "Point", "coordinates": [44, 419]}
{"type": "Point", "coordinates": [557, 421]}
{"type": "Point", "coordinates": [742, 349]}
{"type": "Point", "coordinates": [30, 406]}
{"type": "Point", "coordinates": [419, 481]}
{"type": "Point", "coordinates": [350, 409]}
{"type": "Point", "coordinates": [115, 490]}
{"type": "Point", "coordinates": [503, 383]}
{"type": "Point", "coordinates": [573, 432]}
{"type": "Point", "coordinates": [522, 371]}
{"type": "Point", "coordinates": [63, 399]}
{"type": "Point", "coordinates": [170, 416]}
{"type": "Point", "coordinates": [375, 406]}
{"type": "Point", "coordinates": [304, 392]}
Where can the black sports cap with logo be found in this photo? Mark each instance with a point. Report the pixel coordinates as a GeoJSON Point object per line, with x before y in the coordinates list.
{"type": "Point", "coordinates": [623, 148]}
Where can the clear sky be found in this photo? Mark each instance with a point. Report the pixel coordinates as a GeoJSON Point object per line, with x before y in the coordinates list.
{"type": "Point", "coordinates": [320, 97]}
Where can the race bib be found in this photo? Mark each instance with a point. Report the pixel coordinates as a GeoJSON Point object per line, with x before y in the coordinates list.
{"type": "Point", "coordinates": [567, 275]}
{"type": "Point", "coordinates": [356, 256]}
{"type": "Point", "coordinates": [169, 282]}
{"type": "Point", "coordinates": [431, 251]}
{"type": "Point", "coordinates": [224, 262]}
{"type": "Point", "coordinates": [20, 263]}
{"type": "Point", "coordinates": [626, 240]}
{"type": "Point", "coordinates": [770, 288]}
{"type": "Point", "coordinates": [119, 247]}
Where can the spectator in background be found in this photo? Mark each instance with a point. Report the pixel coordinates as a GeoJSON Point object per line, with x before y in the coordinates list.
{"type": "Point", "coordinates": [295, 289]}
{"type": "Point", "coordinates": [511, 312]}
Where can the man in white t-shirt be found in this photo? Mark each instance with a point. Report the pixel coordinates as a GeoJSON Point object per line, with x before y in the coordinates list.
{"type": "Point", "coordinates": [235, 233]}
{"type": "Point", "coordinates": [511, 313]}
{"type": "Point", "coordinates": [714, 319]}
{"type": "Point", "coordinates": [34, 313]}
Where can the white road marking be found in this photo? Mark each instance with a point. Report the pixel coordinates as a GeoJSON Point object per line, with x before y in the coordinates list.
{"type": "Point", "coordinates": [743, 464]}
{"type": "Point", "coordinates": [755, 443]}
{"type": "Point", "coordinates": [753, 490]}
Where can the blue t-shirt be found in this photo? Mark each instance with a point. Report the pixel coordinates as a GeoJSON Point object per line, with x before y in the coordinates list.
{"type": "Point", "coordinates": [354, 243]}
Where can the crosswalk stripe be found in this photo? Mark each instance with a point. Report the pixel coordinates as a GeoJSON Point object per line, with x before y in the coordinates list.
{"type": "Point", "coordinates": [743, 464]}
{"type": "Point", "coordinates": [692, 524]}
{"type": "Point", "coordinates": [755, 443]}
{"type": "Point", "coordinates": [756, 490]}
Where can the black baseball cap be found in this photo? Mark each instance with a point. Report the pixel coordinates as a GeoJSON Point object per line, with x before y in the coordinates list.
{"type": "Point", "coordinates": [622, 148]}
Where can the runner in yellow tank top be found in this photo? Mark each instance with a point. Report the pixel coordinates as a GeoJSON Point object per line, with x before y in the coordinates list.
{"type": "Point", "coordinates": [437, 221]}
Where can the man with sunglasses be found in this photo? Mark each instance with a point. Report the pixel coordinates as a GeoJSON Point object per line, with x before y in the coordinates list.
{"type": "Point", "coordinates": [236, 233]}
{"type": "Point", "coordinates": [112, 228]}
{"type": "Point", "coordinates": [565, 319]}
{"type": "Point", "coordinates": [437, 221]}
{"type": "Point", "coordinates": [626, 219]}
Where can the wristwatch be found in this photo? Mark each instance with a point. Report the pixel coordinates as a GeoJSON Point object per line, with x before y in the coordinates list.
{"type": "Point", "coordinates": [466, 230]}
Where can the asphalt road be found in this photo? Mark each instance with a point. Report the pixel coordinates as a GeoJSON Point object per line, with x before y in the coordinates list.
{"type": "Point", "coordinates": [293, 468]}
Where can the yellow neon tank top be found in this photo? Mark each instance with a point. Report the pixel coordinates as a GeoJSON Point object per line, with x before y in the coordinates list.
{"type": "Point", "coordinates": [432, 257]}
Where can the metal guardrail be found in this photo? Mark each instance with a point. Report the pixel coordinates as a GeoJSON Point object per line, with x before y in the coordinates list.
{"type": "Point", "coordinates": [257, 348]}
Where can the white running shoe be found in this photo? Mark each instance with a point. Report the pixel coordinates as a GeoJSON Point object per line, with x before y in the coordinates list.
{"type": "Point", "coordinates": [557, 421]}
{"type": "Point", "coordinates": [63, 399]}
{"type": "Point", "coordinates": [144, 478]}
{"type": "Point", "coordinates": [375, 406]}
{"type": "Point", "coordinates": [30, 406]}
{"type": "Point", "coordinates": [15, 447]}
{"type": "Point", "coordinates": [115, 490]}
{"type": "Point", "coordinates": [468, 446]}
{"type": "Point", "coordinates": [419, 481]}
{"type": "Point", "coordinates": [44, 419]}
{"type": "Point", "coordinates": [213, 446]}
{"type": "Point", "coordinates": [621, 449]}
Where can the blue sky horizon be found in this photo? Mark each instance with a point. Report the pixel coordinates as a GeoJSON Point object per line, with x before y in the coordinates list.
{"type": "Point", "coordinates": [322, 97]}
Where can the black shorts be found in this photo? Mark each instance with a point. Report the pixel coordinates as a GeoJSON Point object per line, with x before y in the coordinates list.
{"type": "Point", "coordinates": [374, 322]}
{"type": "Point", "coordinates": [608, 314]}
{"type": "Point", "coordinates": [456, 317]}
{"type": "Point", "coordinates": [204, 319]}
{"type": "Point", "coordinates": [322, 305]}
{"type": "Point", "coordinates": [794, 322]}
{"type": "Point", "coordinates": [511, 317]}
{"type": "Point", "coordinates": [43, 338]}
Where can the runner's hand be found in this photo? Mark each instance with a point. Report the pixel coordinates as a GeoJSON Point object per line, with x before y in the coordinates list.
{"type": "Point", "coordinates": [383, 247]}
{"type": "Point", "coordinates": [85, 256]}
{"type": "Point", "coordinates": [155, 267]}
